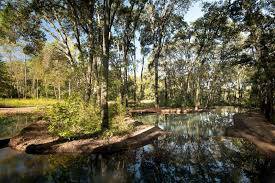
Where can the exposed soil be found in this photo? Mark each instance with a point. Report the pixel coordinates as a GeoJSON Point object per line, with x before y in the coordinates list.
{"type": "Point", "coordinates": [19, 110]}
{"type": "Point", "coordinates": [255, 128]}
{"type": "Point", "coordinates": [35, 139]}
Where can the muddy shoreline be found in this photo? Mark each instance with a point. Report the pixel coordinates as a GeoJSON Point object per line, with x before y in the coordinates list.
{"type": "Point", "coordinates": [255, 128]}
{"type": "Point", "coordinates": [35, 139]}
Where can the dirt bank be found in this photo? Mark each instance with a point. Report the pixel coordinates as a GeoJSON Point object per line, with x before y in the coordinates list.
{"type": "Point", "coordinates": [20, 110]}
{"type": "Point", "coordinates": [256, 129]}
{"type": "Point", "coordinates": [35, 139]}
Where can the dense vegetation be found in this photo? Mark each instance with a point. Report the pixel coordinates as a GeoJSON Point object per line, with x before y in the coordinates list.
{"type": "Point", "coordinates": [138, 50]}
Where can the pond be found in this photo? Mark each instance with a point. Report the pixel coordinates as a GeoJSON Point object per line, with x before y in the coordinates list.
{"type": "Point", "coordinates": [195, 150]}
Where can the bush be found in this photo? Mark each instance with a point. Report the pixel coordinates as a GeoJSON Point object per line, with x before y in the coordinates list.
{"type": "Point", "coordinates": [117, 114]}
{"type": "Point", "coordinates": [74, 118]}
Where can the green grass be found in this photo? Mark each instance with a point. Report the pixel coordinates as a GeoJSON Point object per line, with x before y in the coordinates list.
{"type": "Point", "coordinates": [7, 102]}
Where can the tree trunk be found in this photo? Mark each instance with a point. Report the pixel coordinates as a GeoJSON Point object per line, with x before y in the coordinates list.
{"type": "Point", "coordinates": [59, 91]}
{"type": "Point", "coordinates": [37, 85]}
{"type": "Point", "coordinates": [69, 88]}
{"type": "Point", "coordinates": [33, 88]}
{"type": "Point", "coordinates": [135, 82]}
{"type": "Point", "coordinates": [106, 53]}
{"type": "Point", "coordinates": [197, 95]}
{"type": "Point", "coordinates": [156, 61]}
{"type": "Point", "coordinates": [54, 92]}
{"type": "Point", "coordinates": [141, 80]}
{"type": "Point", "coordinates": [166, 91]}
{"type": "Point", "coordinates": [25, 78]}
{"type": "Point", "coordinates": [126, 63]}
{"type": "Point", "coordinates": [158, 47]}
{"type": "Point", "coordinates": [46, 89]}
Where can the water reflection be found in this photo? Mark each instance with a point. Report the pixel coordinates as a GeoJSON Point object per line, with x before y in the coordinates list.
{"type": "Point", "coordinates": [195, 151]}
{"type": "Point", "coordinates": [11, 125]}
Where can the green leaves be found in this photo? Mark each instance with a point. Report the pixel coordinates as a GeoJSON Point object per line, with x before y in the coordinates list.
{"type": "Point", "coordinates": [74, 118]}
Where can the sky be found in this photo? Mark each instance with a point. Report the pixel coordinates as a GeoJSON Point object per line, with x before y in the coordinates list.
{"type": "Point", "coordinates": [194, 12]}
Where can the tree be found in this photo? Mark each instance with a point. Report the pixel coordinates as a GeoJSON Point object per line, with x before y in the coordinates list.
{"type": "Point", "coordinates": [158, 30]}
{"type": "Point", "coordinates": [5, 83]}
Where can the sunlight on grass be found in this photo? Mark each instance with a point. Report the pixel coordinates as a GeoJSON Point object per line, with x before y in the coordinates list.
{"type": "Point", "coordinates": [27, 102]}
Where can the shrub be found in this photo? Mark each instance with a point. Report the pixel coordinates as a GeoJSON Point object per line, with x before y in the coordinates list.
{"type": "Point", "coordinates": [73, 118]}
{"type": "Point", "coordinates": [117, 114]}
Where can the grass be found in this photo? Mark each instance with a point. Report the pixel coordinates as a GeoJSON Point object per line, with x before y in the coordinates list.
{"type": "Point", "coordinates": [42, 102]}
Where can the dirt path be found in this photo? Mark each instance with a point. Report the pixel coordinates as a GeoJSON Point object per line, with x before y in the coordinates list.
{"type": "Point", "coordinates": [256, 129]}
{"type": "Point", "coordinates": [20, 110]}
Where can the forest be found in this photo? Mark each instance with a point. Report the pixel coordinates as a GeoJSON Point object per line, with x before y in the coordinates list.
{"type": "Point", "coordinates": [137, 91]}
{"type": "Point", "coordinates": [141, 52]}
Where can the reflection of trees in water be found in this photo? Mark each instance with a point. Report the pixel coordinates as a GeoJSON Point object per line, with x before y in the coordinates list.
{"type": "Point", "coordinates": [203, 161]}
{"type": "Point", "coordinates": [172, 159]}
{"type": "Point", "coordinates": [11, 125]}
{"type": "Point", "coordinates": [191, 153]}
{"type": "Point", "coordinates": [199, 125]}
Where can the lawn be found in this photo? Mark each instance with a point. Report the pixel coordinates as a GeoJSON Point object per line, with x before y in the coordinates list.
{"type": "Point", "coordinates": [8, 102]}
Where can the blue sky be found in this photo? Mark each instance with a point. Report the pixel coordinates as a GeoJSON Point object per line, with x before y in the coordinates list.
{"type": "Point", "coordinates": [194, 12]}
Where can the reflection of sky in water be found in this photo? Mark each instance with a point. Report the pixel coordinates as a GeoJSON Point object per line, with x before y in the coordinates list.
{"type": "Point", "coordinates": [195, 151]}
{"type": "Point", "coordinates": [205, 124]}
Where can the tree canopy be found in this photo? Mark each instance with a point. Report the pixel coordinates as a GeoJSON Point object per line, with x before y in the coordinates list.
{"type": "Point", "coordinates": [141, 50]}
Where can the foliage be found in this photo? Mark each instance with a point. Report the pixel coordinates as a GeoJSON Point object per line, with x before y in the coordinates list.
{"type": "Point", "coordinates": [74, 118]}
{"type": "Point", "coordinates": [92, 49]}
{"type": "Point", "coordinates": [117, 114]}
{"type": "Point", "coordinates": [5, 86]}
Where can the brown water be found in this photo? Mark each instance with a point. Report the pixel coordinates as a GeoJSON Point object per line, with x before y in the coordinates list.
{"type": "Point", "coordinates": [196, 151]}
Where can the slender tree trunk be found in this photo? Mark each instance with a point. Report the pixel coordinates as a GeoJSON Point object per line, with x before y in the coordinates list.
{"type": "Point", "coordinates": [197, 95]}
{"type": "Point", "coordinates": [89, 78]}
{"type": "Point", "coordinates": [59, 91]}
{"type": "Point", "coordinates": [54, 92]}
{"type": "Point", "coordinates": [37, 85]}
{"type": "Point", "coordinates": [105, 85]}
{"type": "Point", "coordinates": [158, 47]}
{"type": "Point", "coordinates": [126, 63]}
{"type": "Point", "coordinates": [25, 78]}
{"type": "Point", "coordinates": [141, 80]}
{"type": "Point", "coordinates": [69, 88]}
{"type": "Point", "coordinates": [98, 78]}
{"type": "Point", "coordinates": [33, 88]}
{"type": "Point", "coordinates": [46, 88]}
{"type": "Point", "coordinates": [166, 91]}
{"type": "Point", "coordinates": [135, 81]}
{"type": "Point", "coordinates": [156, 83]}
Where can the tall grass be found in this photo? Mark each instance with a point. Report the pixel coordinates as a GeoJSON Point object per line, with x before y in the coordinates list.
{"type": "Point", "coordinates": [42, 102]}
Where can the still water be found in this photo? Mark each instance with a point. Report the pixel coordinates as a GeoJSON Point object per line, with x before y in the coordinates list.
{"type": "Point", "coordinates": [195, 150]}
